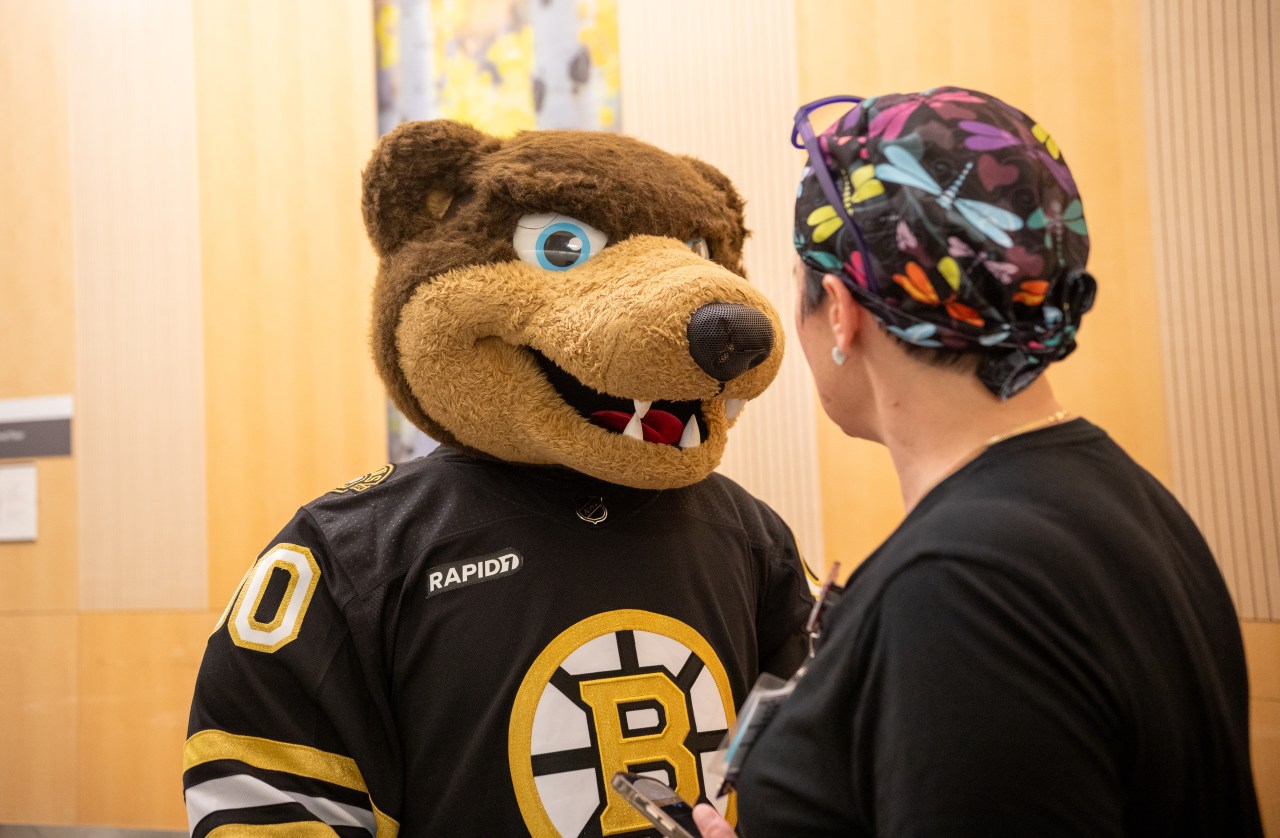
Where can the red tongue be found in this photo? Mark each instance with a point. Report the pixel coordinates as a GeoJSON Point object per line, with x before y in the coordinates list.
{"type": "Point", "coordinates": [659, 426]}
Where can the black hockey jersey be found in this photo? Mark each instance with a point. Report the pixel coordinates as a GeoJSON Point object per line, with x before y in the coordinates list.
{"type": "Point", "coordinates": [464, 646]}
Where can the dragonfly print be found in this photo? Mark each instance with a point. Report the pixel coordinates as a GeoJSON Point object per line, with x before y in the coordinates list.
{"type": "Point", "coordinates": [889, 123]}
{"type": "Point", "coordinates": [985, 137]}
{"type": "Point", "coordinates": [1006, 272]}
{"type": "Point", "coordinates": [991, 221]}
{"type": "Point", "coordinates": [1056, 221]}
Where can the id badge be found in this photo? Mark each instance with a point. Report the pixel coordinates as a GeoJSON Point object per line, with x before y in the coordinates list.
{"type": "Point", "coordinates": [766, 699]}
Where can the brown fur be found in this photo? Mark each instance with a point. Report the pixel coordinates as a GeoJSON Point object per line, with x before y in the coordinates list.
{"type": "Point", "coordinates": [454, 306]}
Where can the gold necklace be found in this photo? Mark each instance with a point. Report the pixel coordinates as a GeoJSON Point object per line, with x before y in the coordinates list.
{"type": "Point", "coordinates": [1034, 425]}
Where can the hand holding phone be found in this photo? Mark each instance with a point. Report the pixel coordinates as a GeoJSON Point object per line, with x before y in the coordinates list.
{"type": "Point", "coordinates": [662, 807]}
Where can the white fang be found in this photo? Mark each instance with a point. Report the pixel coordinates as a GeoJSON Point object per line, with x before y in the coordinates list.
{"type": "Point", "coordinates": [641, 407]}
{"type": "Point", "coordinates": [634, 429]}
{"type": "Point", "coordinates": [732, 407]}
{"type": "Point", "coordinates": [691, 438]}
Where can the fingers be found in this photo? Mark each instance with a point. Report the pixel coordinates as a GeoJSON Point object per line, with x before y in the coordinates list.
{"type": "Point", "coordinates": [710, 823]}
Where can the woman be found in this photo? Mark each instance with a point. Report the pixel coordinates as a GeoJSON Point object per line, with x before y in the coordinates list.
{"type": "Point", "coordinates": [1045, 645]}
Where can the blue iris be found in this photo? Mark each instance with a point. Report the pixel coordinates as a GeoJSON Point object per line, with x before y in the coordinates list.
{"type": "Point", "coordinates": [562, 246]}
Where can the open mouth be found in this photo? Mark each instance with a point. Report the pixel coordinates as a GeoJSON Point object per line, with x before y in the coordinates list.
{"type": "Point", "coordinates": [678, 423]}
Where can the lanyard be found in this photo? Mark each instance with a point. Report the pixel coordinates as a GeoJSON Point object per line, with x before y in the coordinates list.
{"type": "Point", "coordinates": [768, 695]}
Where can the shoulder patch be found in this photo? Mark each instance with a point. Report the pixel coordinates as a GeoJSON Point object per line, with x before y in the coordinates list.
{"type": "Point", "coordinates": [365, 481]}
{"type": "Point", "coordinates": [446, 577]}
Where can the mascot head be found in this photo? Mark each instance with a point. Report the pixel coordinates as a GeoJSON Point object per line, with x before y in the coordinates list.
{"type": "Point", "coordinates": [565, 297]}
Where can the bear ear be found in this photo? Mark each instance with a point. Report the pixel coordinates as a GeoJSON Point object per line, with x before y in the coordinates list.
{"type": "Point", "coordinates": [720, 183]}
{"type": "Point", "coordinates": [415, 173]}
{"type": "Point", "coordinates": [737, 232]}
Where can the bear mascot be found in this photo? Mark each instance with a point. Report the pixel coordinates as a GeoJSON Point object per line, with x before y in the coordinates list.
{"type": "Point", "coordinates": [473, 642]}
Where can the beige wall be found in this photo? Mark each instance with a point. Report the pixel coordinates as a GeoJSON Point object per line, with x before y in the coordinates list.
{"type": "Point", "coordinates": [769, 452]}
{"type": "Point", "coordinates": [181, 251]}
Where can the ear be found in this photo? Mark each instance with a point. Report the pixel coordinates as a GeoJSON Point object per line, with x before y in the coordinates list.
{"type": "Point", "coordinates": [845, 315]}
{"type": "Point", "coordinates": [720, 183]}
{"type": "Point", "coordinates": [415, 173]}
{"type": "Point", "coordinates": [723, 187]}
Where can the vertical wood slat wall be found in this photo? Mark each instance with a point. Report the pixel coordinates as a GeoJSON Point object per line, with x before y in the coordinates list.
{"type": "Point", "coordinates": [716, 81]}
{"type": "Point", "coordinates": [180, 250]}
{"type": "Point", "coordinates": [1213, 88]}
{"type": "Point", "coordinates": [139, 420]}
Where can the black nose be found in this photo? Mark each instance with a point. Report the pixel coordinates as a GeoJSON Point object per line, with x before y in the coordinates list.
{"type": "Point", "coordinates": [727, 339]}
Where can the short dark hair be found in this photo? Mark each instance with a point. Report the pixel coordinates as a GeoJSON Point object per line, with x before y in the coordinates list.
{"type": "Point", "coordinates": [957, 359]}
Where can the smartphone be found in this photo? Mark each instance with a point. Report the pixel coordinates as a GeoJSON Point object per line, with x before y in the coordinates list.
{"type": "Point", "coordinates": [668, 811]}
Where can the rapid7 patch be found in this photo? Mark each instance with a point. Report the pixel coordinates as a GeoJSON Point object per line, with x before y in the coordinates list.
{"type": "Point", "coordinates": [448, 577]}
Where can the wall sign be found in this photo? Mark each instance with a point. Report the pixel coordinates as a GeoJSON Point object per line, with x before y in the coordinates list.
{"type": "Point", "coordinates": [37, 427]}
{"type": "Point", "coordinates": [18, 502]}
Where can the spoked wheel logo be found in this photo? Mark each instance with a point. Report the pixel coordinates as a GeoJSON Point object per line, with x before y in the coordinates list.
{"type": "Point", "coordinates": [620, 691]}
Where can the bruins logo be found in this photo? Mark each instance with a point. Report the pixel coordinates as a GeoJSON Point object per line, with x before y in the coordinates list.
{"type": "Point", "coordinates": [365, 481]}
{"type": "Point", "coordinates": [620, 691]}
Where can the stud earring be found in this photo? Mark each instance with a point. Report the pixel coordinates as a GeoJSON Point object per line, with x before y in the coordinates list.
{"type": "Point", "coordinates": [838, 356]}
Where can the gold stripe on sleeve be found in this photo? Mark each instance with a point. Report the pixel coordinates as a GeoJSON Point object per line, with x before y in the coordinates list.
{"type": "Point", "coordinates": [311, 829]}
{"type": "Point", "coordinates": [269, 755]}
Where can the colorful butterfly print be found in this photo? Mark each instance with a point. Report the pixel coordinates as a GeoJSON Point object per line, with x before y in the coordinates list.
{"type": "Point", "coordinates": [824, 220]}
{"type": "Point", "coordinates": [995, 337]}
{"type": "Point", "coordinates": [1059, 171]}
{"type": "Point", "coordinates": [907, 241]}
{"type": "Point", "coordinates": [1049, 142]}
{"type": "Point", "coordinates": [921, 334]}
{"type": "Point", "coordinates": [984, 137]}
{"type": "Point", "coordinates": [964, 314]}
{"type": "Point", "coordinates": [1031, 292]}
{"type": "Point", "coordinates": [865, 185]}
{"type": "Point", "coordinates": [916, 283]}
{"type": "Point", "coordinates": [826, 260]}
{"type": "Point", "coordinates": [826, 141]}
{"type": "Point", "coordinates": [888, 123]}
{"type": "Point", "coordinates": [1056, 221]}
{"type": "Point", "coordinates": [850, 118]}
{"type": "Point", "coordinates": [950, 271]}
{"type": "Point", "coordinates": [988, 219]}
{"type": "Point", "coordinates": [1031, 264]}
{"type": "Point", "coordinates": [1006, 272]}
{"type": "Point", "coordinates": [855, 269]}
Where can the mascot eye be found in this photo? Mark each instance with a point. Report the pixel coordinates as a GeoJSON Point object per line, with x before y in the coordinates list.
{"type": "Point", "coordinates": [699, 246]}
{"type": "Point", "coordinates": [556, 242]}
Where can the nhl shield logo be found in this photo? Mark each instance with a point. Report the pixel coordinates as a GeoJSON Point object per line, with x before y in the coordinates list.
{"type": "Point", "coordinates": [620, 691]}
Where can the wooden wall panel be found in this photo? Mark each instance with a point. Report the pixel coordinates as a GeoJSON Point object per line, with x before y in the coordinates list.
{"type": "Point", "coordinates": [1077, 68]}
{"type": "Point", "coordinates": [37, 326]}
{"type": "Point", "coordinates": [37, 315]}
{"type": "Point", "coordinates": [1213, 89]}
{"type": "Point", "coordinates": [1262, 650]}
{"type": "Point", "coordinates": [38, 714]}
{"type": "Point", "coordinates": [136, 675]}
{"type": "Point", "coordinates": [717, 80]}
{"type": "Point", "coordinates": [287, 119]}
{"type": "Point", "coordinates": [40, 576]}
{"type": "Point", "coordinates": [1264, 738]}
{"type": "Point", "coordinates": [100, 282]}
{"type": "Point", "coordinates": [139, 424]}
